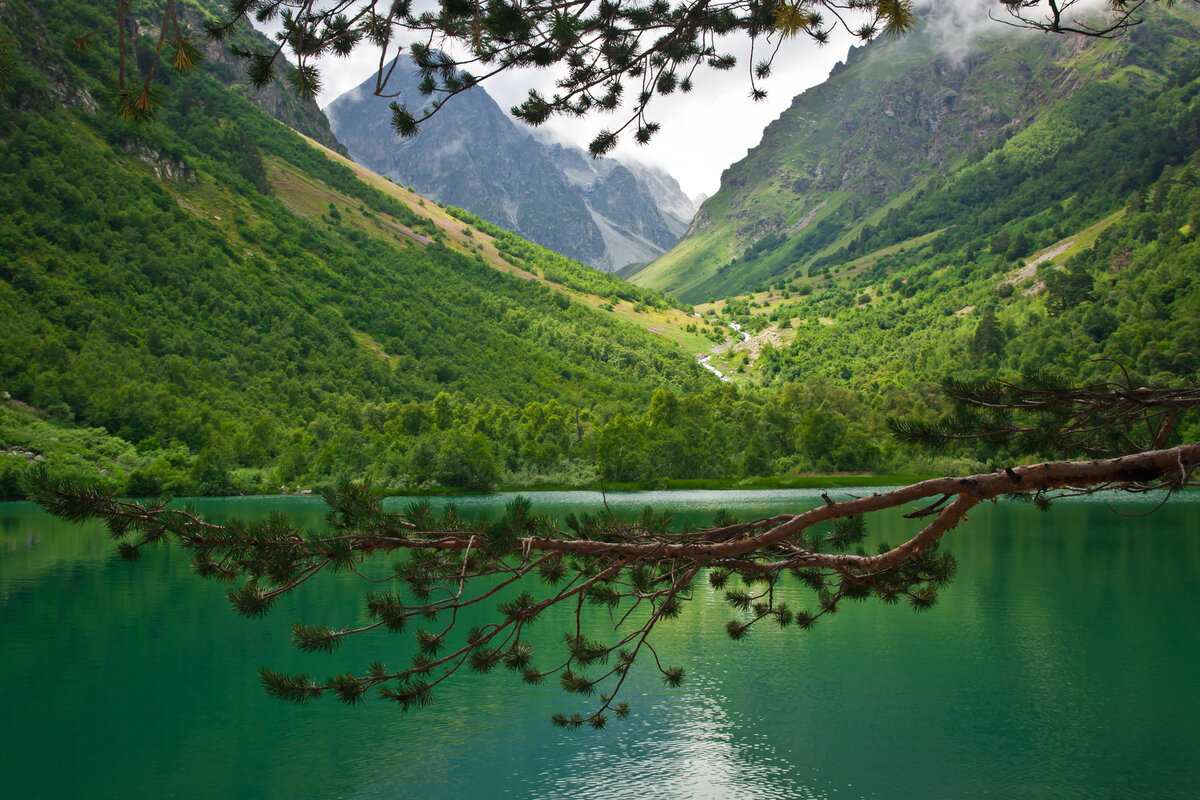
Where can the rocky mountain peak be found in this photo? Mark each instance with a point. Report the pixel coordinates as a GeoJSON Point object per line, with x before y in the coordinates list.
{"type": "Point", "coordinates": [472, 155]}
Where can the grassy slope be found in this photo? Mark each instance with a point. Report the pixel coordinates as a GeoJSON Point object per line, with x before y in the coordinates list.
{"type": "Point", "coordinates": [765, 306]}
{"type": "Point", "coordinates": [665, 321]}
{"type": "Point", "coordinates": [29, 438]}
{"type": "Point", "coordinates": [161, 307]}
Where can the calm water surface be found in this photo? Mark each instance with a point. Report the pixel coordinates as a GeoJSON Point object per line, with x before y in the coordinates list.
{"type": "Point", "coordinates": [1062, 663]}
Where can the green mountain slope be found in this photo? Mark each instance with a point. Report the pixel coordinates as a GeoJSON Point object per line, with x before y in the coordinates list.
{"type": "Point", "coordinates": [1121, 294]}
{"type": "Point", "coordinates": [277, 99]}
{"type": "Point", "coordinates": [902, 118]}
{"type": "Point", "coordinates": [212, 303]}
{"type": "Point", "coordinates": [214, 282]}
{"type": "Point", "coordinates": [983, 294]}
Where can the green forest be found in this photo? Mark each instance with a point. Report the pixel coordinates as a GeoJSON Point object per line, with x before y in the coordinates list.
{"type": "Point", "coordinates": [154, 287]}
{"type": "Point", "coordinates": [206, 304]}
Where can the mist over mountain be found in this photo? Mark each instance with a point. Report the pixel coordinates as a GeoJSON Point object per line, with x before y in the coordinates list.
{"type": "Point", "coordinates": [473, 156]}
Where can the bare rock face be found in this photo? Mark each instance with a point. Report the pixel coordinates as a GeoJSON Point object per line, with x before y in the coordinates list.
{"type": "Point", "coordinates": [64, 88]}
{"type": "Point", "coordinates": [67, 92]}
{"type": "Point", "coordinates": [895, 113]}
{"type": "Point", "coordinates": [631, 205]}
{"type": "Point", "coordinates": [165, 167]}
{"type": "Point", "coordinates": [677, 208]}
{"type": "Point", "coordinates": [471, 155]}
{"type": "Point", "coordinates": [873, 132]}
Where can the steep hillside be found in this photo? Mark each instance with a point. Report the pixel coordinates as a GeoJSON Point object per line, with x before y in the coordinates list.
{"type": "Point", "coordinates": [44, 31]}
{"type": "Point", "coordinates": [1122, 294]}
{"type": "Point", "coordinates": [277, 99]}
{"type": "Point", "coordinates": [213, 283]}
{"type": "Point", "coordinates": [471, 155]}
{"type": "Point", "coordinates": [1109, 273]}
{"type": "Point", "coordinates": [900, 116]}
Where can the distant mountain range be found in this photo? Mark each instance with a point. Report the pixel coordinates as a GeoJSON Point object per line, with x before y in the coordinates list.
{"type": "Point", "coordinates": [473, 156]}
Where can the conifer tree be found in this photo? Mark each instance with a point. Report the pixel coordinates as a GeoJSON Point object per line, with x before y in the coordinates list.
{"type": "Point", "coordinates": [987, 339]}
{"type": "Point", "coordinates": [612, 55]}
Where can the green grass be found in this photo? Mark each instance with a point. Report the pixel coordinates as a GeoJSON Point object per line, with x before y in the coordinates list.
{"type": "Point", "coordinates": [29, 439]}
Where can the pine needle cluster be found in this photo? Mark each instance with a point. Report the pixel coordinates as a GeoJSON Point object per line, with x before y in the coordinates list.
{"type": "Point", "coordinates": [1045, 413]}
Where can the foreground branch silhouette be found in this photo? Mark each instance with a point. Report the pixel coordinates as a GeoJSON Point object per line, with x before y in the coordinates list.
{"type": "Point", "coordinates": [521, 564]}
{"type": "Point", "coordinates": [612, 56]}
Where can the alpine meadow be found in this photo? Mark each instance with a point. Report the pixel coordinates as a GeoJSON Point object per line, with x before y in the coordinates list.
{"type": "Point", "coordinates": [958, 277]}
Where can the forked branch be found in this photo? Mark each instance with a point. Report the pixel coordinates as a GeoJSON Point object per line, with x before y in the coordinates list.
{"type": "Point", "coordinates": [522, 564]}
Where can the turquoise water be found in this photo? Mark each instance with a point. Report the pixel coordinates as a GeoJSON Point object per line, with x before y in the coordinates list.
{"type": "Point", "coordinates": [1061, 664]}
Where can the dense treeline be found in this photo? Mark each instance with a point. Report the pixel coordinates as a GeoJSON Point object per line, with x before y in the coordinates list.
{"type": "Point", "coordinates": [722, 433]}
{"type": "Point", "coordinates": [1128, 301]}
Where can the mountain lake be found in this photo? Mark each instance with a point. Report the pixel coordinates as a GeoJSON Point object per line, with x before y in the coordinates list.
{"type": "Point", "coordinates": [1060, 663]}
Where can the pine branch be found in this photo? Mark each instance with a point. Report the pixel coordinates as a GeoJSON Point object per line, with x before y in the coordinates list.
{"type": "Point", "coordinates": [657, 46]}
{"type": "Point", "coordinates": [1045, 413]}
{"type": "Point", "coordinates": [442, 566]}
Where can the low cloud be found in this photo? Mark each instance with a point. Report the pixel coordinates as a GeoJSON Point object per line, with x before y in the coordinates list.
{"type": "Point", "coordinates": [956, 26]}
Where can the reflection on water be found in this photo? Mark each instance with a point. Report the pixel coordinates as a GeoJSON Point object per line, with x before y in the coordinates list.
{"type": "Point", "coordinates": [1061, 663]}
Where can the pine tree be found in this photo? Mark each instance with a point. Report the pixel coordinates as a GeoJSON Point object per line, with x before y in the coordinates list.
{"type": "Point", "coordinates": [987, 340]}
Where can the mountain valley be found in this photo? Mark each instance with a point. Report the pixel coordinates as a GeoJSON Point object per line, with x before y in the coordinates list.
{"type": "Point", "coordinates": [211, 303]}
